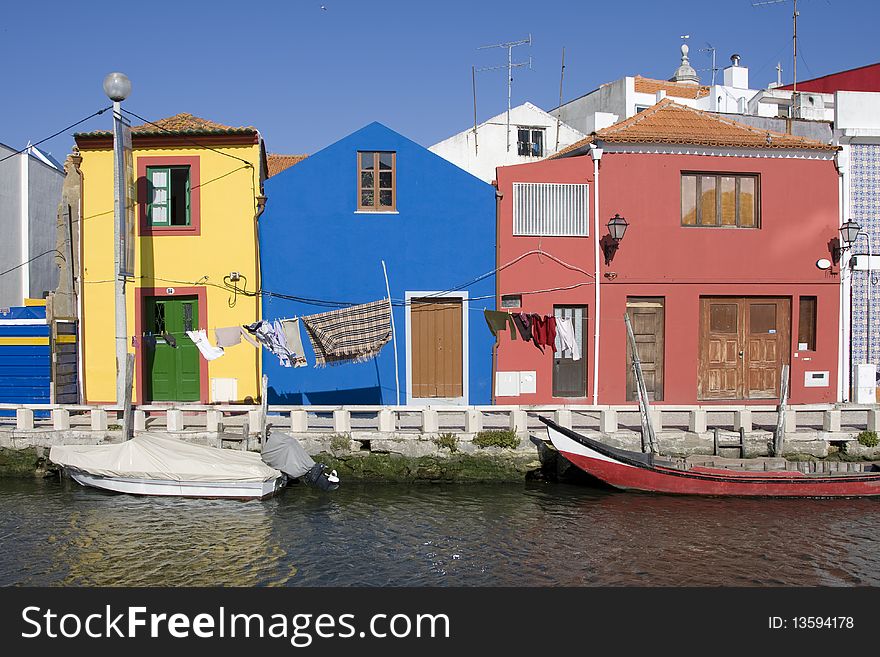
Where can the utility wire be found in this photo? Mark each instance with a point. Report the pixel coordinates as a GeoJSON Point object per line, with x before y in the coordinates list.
{"type": "Point", "coordinates": [72, 125]}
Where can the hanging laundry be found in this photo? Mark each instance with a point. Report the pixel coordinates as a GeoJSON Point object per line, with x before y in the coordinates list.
{"type": "Point", "coordinates": [228, 336]}
{"type": "Point", "coordinates": [271, 338]}
{"type": "Point", "coordinates": [200, 340]}
{"type": "Point", "coordinates": [247, 337]}
{"type": "Point", "coordinates": [524, 325]}
{"type": "Point", "coordinates": [149, 341]}
{"type": "Point", "coordinates": [352, 334]}
{"type": "Point", "coordinates": [169, 339]}
{"type": "Point", "coordinates": [537, 323]}
{"type": "Point", "coordinates": [293, 337]}
{"type": "Point", "coordinates": [544, 330]}
{"type": "Point", "coordinates": [566, 338]}
{"type": "Point", "coordinates": [499, 321]}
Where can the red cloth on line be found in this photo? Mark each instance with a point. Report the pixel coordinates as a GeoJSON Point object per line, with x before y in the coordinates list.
{"type": "Point", "coordinates": [544, 330]}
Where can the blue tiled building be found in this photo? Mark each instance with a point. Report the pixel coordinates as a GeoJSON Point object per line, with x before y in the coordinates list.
{"type": "Point", "coordinates": [331, 221]}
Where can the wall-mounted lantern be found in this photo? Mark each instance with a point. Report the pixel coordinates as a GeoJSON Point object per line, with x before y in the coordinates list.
{"type": "Point", "coordinates": [617, 226]}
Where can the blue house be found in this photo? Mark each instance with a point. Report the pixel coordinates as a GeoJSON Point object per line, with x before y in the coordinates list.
{"type": "Point", "coordinates": [329, 224]}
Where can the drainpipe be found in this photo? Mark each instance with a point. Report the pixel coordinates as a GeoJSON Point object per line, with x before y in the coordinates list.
{"type": "Point", "coordinates": [596, 154]}
{"type": "Point", "coordinates": [845, 344]}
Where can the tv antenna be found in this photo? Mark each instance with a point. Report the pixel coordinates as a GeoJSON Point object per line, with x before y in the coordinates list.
{"type": "Point", "coordinates": [509, 45]}
{"type": "Point", "coordinates": [710, 48]}
{"type": "Point", "coordinates": [793, 38]}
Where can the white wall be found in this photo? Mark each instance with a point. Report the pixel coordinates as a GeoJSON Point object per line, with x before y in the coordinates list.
{"type": "Point", "coordinates": [857, 112]}
{"type": "Point", "coordinates": [492, 139]}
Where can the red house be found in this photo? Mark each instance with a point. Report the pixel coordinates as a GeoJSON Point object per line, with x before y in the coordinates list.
{"type": "Point", "coordinates": [717, 268]}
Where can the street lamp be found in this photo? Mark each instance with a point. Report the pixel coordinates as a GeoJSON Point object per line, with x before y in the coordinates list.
{"type": "Point", "coordinates": [849, 233]}
{"type": "Point", "coordinates": [617, 226]}
{"type": "Point", "coordinates": [117, 86]}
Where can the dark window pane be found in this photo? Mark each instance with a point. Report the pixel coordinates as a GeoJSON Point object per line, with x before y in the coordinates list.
{"type": "Point", "coordinates": [367, 198]}
{"type": "Point", "coordinates": [386, 160]}
{"type": "Point", "coordinates": [707, 200]}
{"type": "Point", "coordinates": [187, 317]}
{"type": "Point", "coordinates": [366, 160]}
{"type": "Point", "coordinates": [762, 318]}
{"type": "Point", "coordinates": [747, 202]}
{"type": "Point", "coordinates": [722, 318]}
{"type": "Point", "coordinates": [728, 201]}
{"type": "Point", "coordinates": [385, 198]}
{"type": "Point", "coordinates": [807, 324]}
{"type": "Point", "coordinates": [385, 179]}
{"type": "Point", "coordinates": [538, 143]}
{"type": "Point", "coordinates": [522, 141]}
{"type": "Point", "coordinates": [689, 200]}
{"type": "Point", "coordinates": [366, 180]}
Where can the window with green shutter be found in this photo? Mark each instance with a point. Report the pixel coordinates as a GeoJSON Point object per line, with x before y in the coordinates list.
{"type": "Point", "coordinates": [168, 196]}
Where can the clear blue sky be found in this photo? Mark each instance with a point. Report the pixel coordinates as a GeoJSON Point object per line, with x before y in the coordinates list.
{"type": "Point", "coordinates": [306, 77]}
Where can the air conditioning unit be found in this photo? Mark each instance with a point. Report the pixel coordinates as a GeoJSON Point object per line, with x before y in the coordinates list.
{"type": "Point", "coordinates": [805, 105]}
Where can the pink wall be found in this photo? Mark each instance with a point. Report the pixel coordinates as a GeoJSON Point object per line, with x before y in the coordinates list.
{"type": "Point", "coordinates": [659, 257]}
{"type": "Point", "coordinates": [864, 78]}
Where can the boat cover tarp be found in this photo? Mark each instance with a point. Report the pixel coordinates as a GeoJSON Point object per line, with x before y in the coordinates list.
{"type": "Point", "coordinates": [283, 452]}
{"type": "Point", "coordinates": [153, 456]}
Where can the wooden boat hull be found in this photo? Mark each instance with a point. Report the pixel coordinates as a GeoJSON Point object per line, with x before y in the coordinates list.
{"type": "Point", "coordinates": [252, 490]}
{"type": "Point", "coordinates": [640, 472]}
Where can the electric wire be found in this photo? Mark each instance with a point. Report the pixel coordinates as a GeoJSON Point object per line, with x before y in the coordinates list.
{"type": "Point", "coordinates": [72, 125]}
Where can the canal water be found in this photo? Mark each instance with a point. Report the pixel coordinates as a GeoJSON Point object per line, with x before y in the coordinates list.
{"type": "Point", "coordinates": [535, 534]}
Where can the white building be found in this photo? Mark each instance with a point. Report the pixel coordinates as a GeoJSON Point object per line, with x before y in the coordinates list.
{"type": "Point", "coordinates": [530, 134]}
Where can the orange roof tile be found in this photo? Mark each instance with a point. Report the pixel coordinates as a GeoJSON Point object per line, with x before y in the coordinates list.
{"type": "Point", "coordinates": [668, 122]}
{"type": "Point", "coordinates": [677, 89]}
{"type": "Point", "coordinates": [278, 163]}
{"type": "Point", "coordinates": [179, 124]}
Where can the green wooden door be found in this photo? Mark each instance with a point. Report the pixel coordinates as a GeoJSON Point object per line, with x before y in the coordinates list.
{"type": "Point", "coordinates": [172, 373]}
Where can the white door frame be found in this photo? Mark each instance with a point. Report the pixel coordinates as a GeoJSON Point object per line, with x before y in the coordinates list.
{"type": "Point", "coordinates": [465, 374]}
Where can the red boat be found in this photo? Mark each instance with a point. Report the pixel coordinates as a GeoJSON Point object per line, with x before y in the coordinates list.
{"type": "Point", "coordinates": [645, 472]}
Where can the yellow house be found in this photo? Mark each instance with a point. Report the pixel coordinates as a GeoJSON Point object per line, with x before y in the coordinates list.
{"type": "Point", "coordinates": [196, 260]}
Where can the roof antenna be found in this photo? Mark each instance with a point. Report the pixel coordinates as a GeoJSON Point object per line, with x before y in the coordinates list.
{"type": "Point", "coordinates": [710, 48]}
{"type": "Point", "coordinates": [794, 17]}
{"type": "Point", "coordinates": [510, 45]}
{"type": "Point", "coordinates": [558, 113]}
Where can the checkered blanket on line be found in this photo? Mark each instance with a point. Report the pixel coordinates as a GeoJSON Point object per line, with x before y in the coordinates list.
{"type": "Point", "coordinates": [351, 334]}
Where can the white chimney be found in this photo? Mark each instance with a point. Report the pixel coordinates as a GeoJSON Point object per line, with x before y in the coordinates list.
{"type": "Point", "coordinates": [660, 95]}
{"type": "Point", "coordinates": [736, 76]}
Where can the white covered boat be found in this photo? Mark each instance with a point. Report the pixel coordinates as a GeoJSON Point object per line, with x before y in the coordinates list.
{"type": "Point", "coordinates": [151, 464]}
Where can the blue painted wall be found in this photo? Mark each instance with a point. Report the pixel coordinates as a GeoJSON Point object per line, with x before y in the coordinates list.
{"type": "Point", "coordinates": [313, 244]}
{"type": "Point", "coordinates": [24, 369]}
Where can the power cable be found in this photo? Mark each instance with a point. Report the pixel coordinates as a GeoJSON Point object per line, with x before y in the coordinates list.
{"type": "Point", "coordinates": [72, 125]}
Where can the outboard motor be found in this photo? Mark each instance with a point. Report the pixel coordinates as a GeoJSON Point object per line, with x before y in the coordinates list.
{"type": "Point", "coordinates": [284, 452]}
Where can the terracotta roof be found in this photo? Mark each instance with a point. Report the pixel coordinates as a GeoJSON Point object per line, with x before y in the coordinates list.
{"type": "Point", "coordinates": [668, 122]}
{"type": "Point", "coordinates": [677, 89]}
{"type": "Point", "coordinates": [278, 163]}
{"type": "Point", "coordinates": [179, 124]}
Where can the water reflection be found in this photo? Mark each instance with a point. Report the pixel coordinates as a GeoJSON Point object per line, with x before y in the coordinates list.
{"type": "Point", "coordinates": [425, 535]}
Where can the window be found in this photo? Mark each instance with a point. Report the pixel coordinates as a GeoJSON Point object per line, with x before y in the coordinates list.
{"type": "Point", "coordinates": [569, 375]}
{"type": "Point", "coordinates": [168, 196]}
{"type": "Point", "coordinates": [710, 199]}
{"type": "Point", "coordinates": [511, 300]}
{"type": "Point", "coordinates": [530, 142]}
{"type": "Point", "coordinates": [551, 209]}
{"type": "Point", "coordinates": [376, 181]}
{"type": "Point", "coordinates": [807, 324]}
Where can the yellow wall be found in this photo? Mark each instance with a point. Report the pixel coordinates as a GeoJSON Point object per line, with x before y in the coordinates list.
{"type": "Point", "coordinates": [227, 243]}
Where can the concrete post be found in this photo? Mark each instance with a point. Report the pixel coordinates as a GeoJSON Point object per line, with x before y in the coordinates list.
{"type": "Point", "coordinates": [212, 420]}
{"type": "Point", "coordinates": [698, 421]}
{"type": "Point", "coordinates": [299, 421]}
{"type": "Point", "coordinates": [657, 419]}
{"type": "Point", "coordinates": [24, 418]}
{"type": "Point", "coordinates": [99, 419]}
{"type": "Point", "coordinates": [387, 421]}
{"type": "Point", "coordinates": [174, 420]}
{"type": "Point", "coordinates": [608, 421]}
{"type": "Point", "coordinates": [742, 420]}
{"type": "Point", "coordinates": [60, 419]}
{"type": "Point", "coordinates": [563, 417]}
{"type": "Point", "coordinates": [519, 421]}
{"type": "Point", "coordinates": [140, 421]}
{"type": "Point", "coordinates": [473, 421]}
{"type": "Point", "coordinates": [341, 421]}
{"type": "Point", "coordinates": [789, 421]}
{"type": "Point", "coordinates": [873, 420]}
{"type": "Point", "coordinates": [430, 421]}
{"type": "Point", "coordinates": [255, 420]}
{"type": "Point", "coordinates": [831, 420]}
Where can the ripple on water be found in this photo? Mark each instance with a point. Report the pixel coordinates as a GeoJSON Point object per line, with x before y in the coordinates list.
{"type": "Point", "coordinates": [55, 533]}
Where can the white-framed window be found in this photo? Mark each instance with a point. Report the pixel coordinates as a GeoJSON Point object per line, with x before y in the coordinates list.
{"type": "Point", "coordinates": [530, 141]}
{"type": "Point", "coordinates": [551, 209]}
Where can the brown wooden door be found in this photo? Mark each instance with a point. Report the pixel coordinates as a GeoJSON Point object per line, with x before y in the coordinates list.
{"type": "Point", "coordinates": [436, 348]}
{"type": "Point", "coordinates": [647, 317]}
{"type": "Point", "coordinates": [569, 375]}
{"type": "Point", "coordinates": [744, 343]}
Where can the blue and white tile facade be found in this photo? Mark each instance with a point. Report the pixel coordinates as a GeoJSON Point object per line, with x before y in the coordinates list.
{"type": "Point", "coordinates": [865, 210]}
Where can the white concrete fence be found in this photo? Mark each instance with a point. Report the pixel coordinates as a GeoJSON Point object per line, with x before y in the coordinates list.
{"type": "Point", "coordinates": [435, 419]}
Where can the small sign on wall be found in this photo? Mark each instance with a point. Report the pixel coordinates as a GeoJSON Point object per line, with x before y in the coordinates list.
{"type": "Point", "coordinates": [507, 384]}
{"type": "Point", "coordinates": [816, 379]}
{"type": "Point", "coordinates": [528, 383]}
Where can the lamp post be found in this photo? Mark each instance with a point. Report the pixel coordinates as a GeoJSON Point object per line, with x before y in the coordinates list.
{"type": "Point", "coordinates": [117, 87]}
{"type": "Point", "coordinates": [617, 226]}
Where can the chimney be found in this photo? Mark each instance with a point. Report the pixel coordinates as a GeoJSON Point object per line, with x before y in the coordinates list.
{"type": "Point", "coordinates": [736, 76]}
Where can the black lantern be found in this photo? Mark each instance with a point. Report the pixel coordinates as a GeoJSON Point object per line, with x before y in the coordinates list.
{"type": "Point", "coordinates": [849, 232]}
{"type": "Point", "coordinates": [617, 226]}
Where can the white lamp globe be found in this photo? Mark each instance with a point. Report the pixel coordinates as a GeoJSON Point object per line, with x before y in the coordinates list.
{"type": "Point", "coordinates": [117, 86]}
